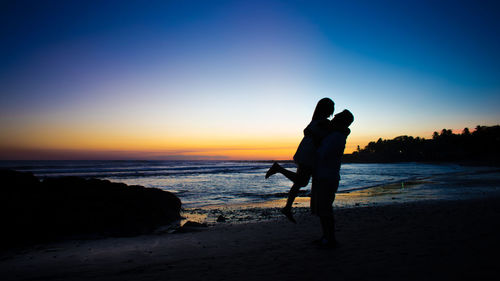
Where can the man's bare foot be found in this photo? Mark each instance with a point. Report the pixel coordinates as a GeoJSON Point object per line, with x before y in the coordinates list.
{"type": "Point", "coordinates": [288, 213]}
{"type": "Point", "coordinates": [273, 170]}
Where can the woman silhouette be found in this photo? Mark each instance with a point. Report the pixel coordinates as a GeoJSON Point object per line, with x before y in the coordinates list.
{"type": "Point", "coordinates": [317, 129]}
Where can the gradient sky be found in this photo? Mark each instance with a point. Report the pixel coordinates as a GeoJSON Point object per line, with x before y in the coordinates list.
{"type": "Point", "coordinates": [237, 79]}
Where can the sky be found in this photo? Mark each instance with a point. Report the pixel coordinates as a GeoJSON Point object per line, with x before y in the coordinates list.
{"type": "Point", "coordinates": [237, 79]}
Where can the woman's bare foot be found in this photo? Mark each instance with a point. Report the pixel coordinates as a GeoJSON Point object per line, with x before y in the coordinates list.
{"type": "Point", "coordinates": [273, 170]}
{"type": "Point", "coordinates": [288, 213]}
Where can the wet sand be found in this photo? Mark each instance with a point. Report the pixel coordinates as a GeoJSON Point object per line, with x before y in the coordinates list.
{"type": "Point", "coordinates": [441, 229]}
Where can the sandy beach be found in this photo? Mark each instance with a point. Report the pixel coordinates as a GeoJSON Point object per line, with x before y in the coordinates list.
{"type": "Point", "coordinates": [442, 228]}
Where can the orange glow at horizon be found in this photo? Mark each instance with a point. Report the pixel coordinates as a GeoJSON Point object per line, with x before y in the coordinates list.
{"type": "Point", "coordinates": [208, 148]}
{"type": "Point", "coordinates": [133, 139]}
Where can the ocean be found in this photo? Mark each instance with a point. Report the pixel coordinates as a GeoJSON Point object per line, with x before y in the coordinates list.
{"type": "Point", "coordinates": [203, 183]}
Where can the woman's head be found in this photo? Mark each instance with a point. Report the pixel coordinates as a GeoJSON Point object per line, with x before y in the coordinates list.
{"type": "Point", "coordinates": [324, 109]}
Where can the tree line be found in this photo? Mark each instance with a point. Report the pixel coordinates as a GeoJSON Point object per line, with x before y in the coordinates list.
{"type": "Point", "coordinates": [481, 146]}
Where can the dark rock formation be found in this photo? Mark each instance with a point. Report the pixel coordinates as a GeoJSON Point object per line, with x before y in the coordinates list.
{"type": "Point", "coordinates": [221, 218]}
{"type": "Point", "coordinates": [37, 211]}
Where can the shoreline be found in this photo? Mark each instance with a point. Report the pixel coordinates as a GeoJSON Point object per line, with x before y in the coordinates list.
{"type": "Point", "coordinates": [480, 169]}
{"type": "Point", "coordinates": [441, 187]}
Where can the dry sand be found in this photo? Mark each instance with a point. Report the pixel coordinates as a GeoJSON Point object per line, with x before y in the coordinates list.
{"type": "Point", "coordinates": [403, 236]}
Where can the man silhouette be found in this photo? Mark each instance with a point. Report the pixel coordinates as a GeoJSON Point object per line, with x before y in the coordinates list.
{"type": "Point", "coordinates": [326, 176]}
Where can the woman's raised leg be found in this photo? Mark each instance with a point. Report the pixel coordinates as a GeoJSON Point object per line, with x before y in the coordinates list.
{"type": "Point", "coordinates": [276, 168]}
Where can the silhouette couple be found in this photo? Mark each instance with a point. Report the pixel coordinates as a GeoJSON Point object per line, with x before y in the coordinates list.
{"type": "Point", "coordinates": [318, 156]}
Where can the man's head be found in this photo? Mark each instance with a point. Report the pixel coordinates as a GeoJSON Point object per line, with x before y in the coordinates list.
{"type": "Point", "coordinates": [341, 121]}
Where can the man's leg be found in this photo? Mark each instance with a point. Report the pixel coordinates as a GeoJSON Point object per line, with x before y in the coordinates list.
{"type": "Point", "coordinates": [328, 227]}
{"type": "Point", "coordinates": [326, 213]}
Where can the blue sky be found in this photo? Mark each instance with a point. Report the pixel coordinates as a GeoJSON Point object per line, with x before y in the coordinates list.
{"type": "Point", "coordinates": [221, 78]}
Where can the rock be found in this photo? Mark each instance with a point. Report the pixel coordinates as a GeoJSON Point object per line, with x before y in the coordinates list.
{"type": "Point", "coordinates": [221, 218]}
{"type": "Point", "coordinates": [32, 211]}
